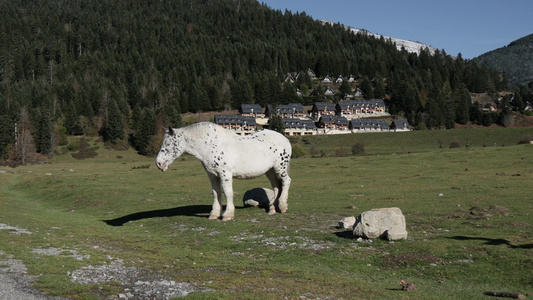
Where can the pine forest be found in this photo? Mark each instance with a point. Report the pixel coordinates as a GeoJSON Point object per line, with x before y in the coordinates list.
{"type": "Point", "coordinates": [124, 69]}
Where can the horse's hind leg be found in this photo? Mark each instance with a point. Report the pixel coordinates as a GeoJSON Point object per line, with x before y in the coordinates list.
{"type": "Point", "coordinates": [276, 186]}
{"type": "Point", "coordinates": [284, 195]}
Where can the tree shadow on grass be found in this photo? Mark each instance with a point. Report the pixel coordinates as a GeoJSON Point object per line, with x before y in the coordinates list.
{"type": "Point", "coordinates": [191, 210]}
{"type": "Point", "coordinates": [493, 242]}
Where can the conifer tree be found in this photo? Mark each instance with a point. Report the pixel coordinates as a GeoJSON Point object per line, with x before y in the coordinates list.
{"type": "Point", "coordinates": [6, 135]}
{"type": "Point", "coordinates": [114, 127]}
{"type": "Point", "coordinates": [72, 120]}
{"type": "Point", "coordinates": [146, 130]}
{"type": "Point", "coordinates": [44, 142]}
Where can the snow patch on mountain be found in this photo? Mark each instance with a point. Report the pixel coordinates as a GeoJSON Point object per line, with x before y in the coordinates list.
{"type": "Point", "coordinates": [409, 46]}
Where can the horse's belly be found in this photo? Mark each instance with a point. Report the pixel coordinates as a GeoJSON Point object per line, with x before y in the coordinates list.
{"type": "Point", "coordinates": [250, 174]}
{"type": "Point", "coordinates": [255, 169]}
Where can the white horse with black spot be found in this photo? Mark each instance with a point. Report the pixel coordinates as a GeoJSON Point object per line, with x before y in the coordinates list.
{"type": "Point", "coordinates": [226, 155]}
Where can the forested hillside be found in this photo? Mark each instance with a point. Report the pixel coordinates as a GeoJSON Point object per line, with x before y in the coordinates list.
{"type": "Point", "coordinates": [133, 66]}
{"type": "Point", "coordinates": [515, 60]}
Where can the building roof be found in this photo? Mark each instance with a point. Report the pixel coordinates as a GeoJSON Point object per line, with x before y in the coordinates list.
{"type": "Point", "coordinates": [351, 104]}
{"type": "Point", "coordinates": [251, 109]}
{"type": "Point", "coordinates": [369, 124]}
{"type": "Point", "coordinates": [298, 124]}
{"type": "Point", "coordinates": [320, 106]}
{"type": "Point", "coordinates": [291, 108]}
{"type": "Point", "coordinates": [342, 121]}
{"type": "Point", "coordinates": [235, 120]}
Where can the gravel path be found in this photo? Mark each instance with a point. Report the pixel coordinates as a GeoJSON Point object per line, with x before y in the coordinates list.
{"type": "Point", "coordinates": [15, 283]}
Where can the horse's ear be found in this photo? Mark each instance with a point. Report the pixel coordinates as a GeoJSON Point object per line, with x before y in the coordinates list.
{"type": "Point", "coordinates": [170, 130]}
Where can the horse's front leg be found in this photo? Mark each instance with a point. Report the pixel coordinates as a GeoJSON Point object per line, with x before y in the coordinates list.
{"type": "Point", "coordinates": [227, 185]}
{"type": "Point", "coordinates": [276, 186]}
{"type": "Point", "coordinates": [217, 194]}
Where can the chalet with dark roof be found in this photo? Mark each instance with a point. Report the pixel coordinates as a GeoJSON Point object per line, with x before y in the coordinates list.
{"type": "Point", "coordinates": [243, 124]}
{"type": "Point", "coordinates": [291, 110]}
{"type": "Point", "coordinates": [326, 79]}
{"type": "Point", "coordinates": [252, 110]}
{"type": "Point", "coordinates": [311, 73]}
{"type": "Point", "coordinates": [360, 107]}
{"type": "Point", "coordinates": [369, 125]}
{"type": "Point", "coordinates": [333, 122]}
{"type": "Point", "coordinates": [322, 109]}
{"type": "Point", "coordinates": [400, 125]}
{"type": "Point", "coordinates": [299, 127]}
{"type": "Point", "coordinates": [329, 92]}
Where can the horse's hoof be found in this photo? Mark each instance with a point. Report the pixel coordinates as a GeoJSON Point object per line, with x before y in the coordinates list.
{"type": "Point", "coordinates": [272, 212]}
{"type": "Point", "coordinates": [227, 218]}
{"type": "Point", "coordinates": [213, 217]}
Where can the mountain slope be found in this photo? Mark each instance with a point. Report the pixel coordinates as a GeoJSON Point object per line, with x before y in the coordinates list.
{"type": "Point", "coordinates": [514, 60]}
{"type": "Point", "coordinates": [409, 46]}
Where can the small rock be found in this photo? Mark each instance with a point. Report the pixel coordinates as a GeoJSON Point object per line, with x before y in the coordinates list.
{"type": "Point", "coordinates": [347, 223]}
{"type": "Point", "coordinates": [407, 286]}
{"type": "Point", "coordinates": [386, 223]}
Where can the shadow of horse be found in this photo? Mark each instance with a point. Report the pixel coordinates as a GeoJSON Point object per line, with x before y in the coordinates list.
{"type": "Point", "coordinates": [191, 210]}
{"type": "Point", "coordinates": [493, 242]}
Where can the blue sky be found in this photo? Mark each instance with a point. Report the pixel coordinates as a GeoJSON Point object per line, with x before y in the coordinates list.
{"type": "Point", "coordinates": [469, 27]}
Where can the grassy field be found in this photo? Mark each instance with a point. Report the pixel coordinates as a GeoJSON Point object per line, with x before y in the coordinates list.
{"type": "Point", "coordinates": [468, 212]}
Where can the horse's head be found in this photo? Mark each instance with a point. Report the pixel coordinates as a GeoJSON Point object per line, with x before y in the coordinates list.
{"type": "Point", "coordinates": [170, 149]}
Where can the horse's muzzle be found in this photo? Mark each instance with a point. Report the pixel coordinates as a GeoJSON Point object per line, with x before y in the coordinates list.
{"type": "Point", "coordinates": [162, 166]}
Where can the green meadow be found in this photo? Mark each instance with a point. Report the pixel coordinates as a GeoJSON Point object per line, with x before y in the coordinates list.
{"type": "Point", "coordinates": [467, 196]}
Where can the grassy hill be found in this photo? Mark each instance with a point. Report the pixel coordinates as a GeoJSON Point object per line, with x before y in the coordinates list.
{"type": "Point", "coordinates": [116, 217]}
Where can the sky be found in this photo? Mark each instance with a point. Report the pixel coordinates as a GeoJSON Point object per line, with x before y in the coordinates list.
{"type": "Point", "coordinates": [469, 27]}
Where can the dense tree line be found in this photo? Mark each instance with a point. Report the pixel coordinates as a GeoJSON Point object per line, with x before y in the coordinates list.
{"type": "Point", "coordinates": [514, 60]}
{"type": "Point", "coordinates": [123, 69]}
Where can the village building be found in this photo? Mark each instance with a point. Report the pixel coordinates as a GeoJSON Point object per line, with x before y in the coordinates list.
{"type": "Point", "coordinates": [400, 125]}
{"type": "Point", "coordinates": [329, 92]}
{"type": "Point", "coordinates": [368, 125]}
{"type": "Point", "coordinates": [311, 73]}
{"type": "Point", "coordinates": [291, 110]}
{"type": "Point", "coordinates": [327, 79]}
{"type": "Point", "coordinates": [296, 127]}
{"type": "Point", "coordinates": [289, 78]}
{"type": "Point", "coordinates": [253, 110]}
{"type": "Point", "coordinates": [333, 122]}
{"type": "Point", "coordinates": [243, 125]}
{"type": "Point", "coordinates": [322, 109]}
{"type": "Point", "coordinates": [360, 107]}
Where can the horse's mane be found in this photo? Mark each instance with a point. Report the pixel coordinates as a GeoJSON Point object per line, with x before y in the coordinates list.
{"type": "Point", "coordinates": [203, 128]}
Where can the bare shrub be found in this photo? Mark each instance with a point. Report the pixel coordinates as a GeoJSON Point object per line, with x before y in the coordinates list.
{"type": "Point", "coordinates": [340, 152]}
{"type": "Point", "coordinates": [525, 139]}
{"type": "Point", "coordinates": [297, 151]}
{"type": "Point", "coordinates": [454, 143]}
{"type": "Point", "coordinates": [358, 149]}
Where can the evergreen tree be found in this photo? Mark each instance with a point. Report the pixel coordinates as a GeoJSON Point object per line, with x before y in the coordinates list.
{"type": "Point", "coordinates": [114, 127]}
{"type": "Point", "coordinates": [276, 123]}
{"type": "Point", "coordinates": [6, 135]}
{"type": "Point", "coordinates": [366, 88]}
{"type": "Point", "coordinates": [146, 130]}
{"type": "Point", "coordinates": [463, 103]}
{"type": "Point", "coordinates": [44, 141]}
{"type": "Point", "coordinates": [72, 120]}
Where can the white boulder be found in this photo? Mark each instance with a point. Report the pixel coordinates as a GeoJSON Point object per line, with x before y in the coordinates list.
{"type": "Point", "coordinates": [347, 223]}
{"type": "Point", "coordinates": [385, 223]}
{"type": "Point", "coordinates": [258, 197]}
